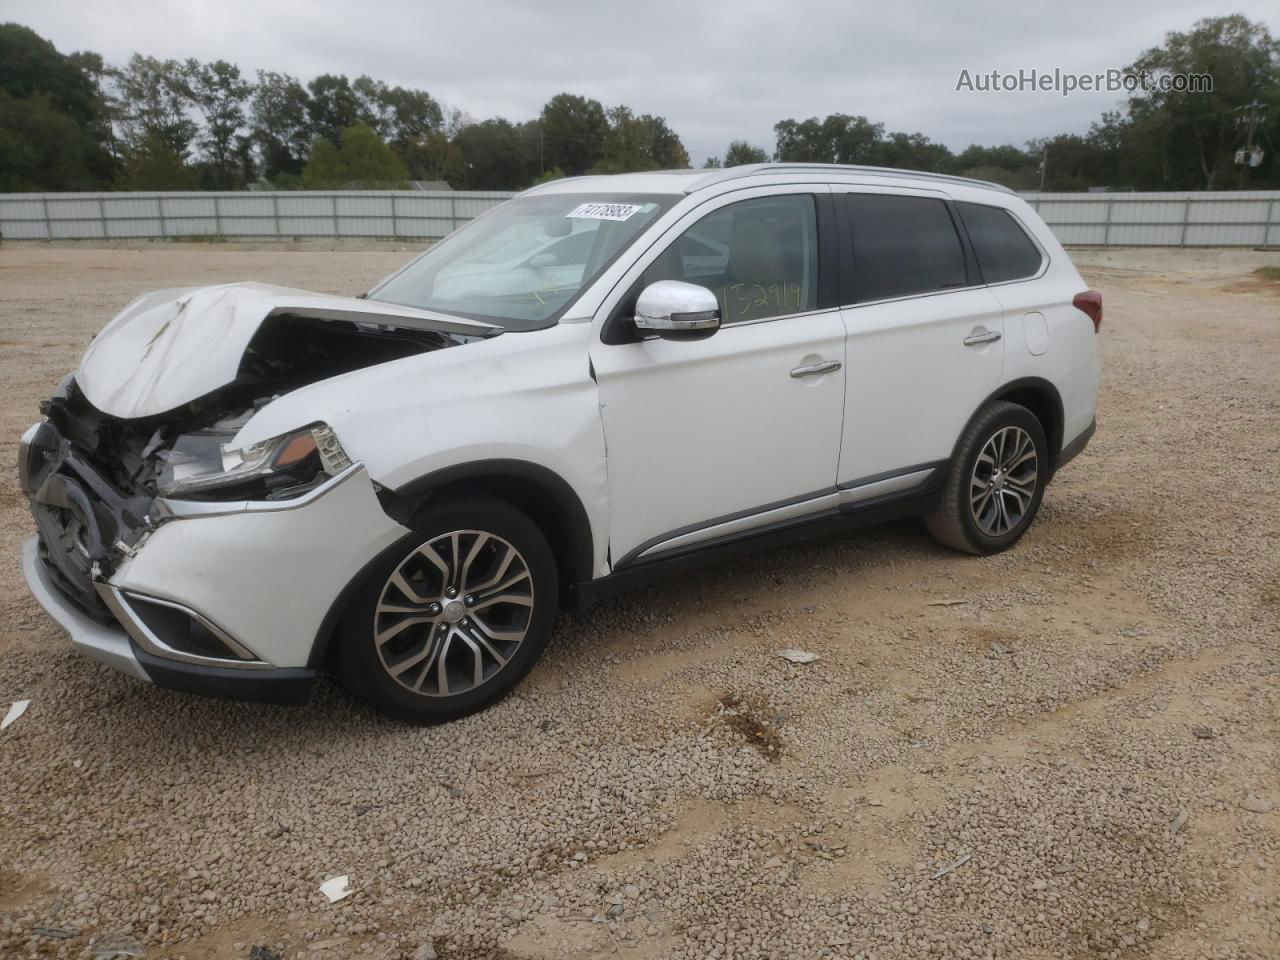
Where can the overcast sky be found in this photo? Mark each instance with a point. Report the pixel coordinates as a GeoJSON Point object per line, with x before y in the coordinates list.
{"type": "Point", "coordinates": [716, 69]}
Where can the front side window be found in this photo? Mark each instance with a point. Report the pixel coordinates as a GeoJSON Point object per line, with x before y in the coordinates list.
{"type": "Point", "coordinates": [521, 265]}
{"type": "Point", "coordinates": [902, 246]}
{"type": "Point", "coordinates": [759, 257]}
{"type": "Point", "coordinates": [1003, 249]}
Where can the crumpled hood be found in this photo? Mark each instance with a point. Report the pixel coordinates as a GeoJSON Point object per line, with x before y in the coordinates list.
{"type": "Point", "coordinates": [170, 347]}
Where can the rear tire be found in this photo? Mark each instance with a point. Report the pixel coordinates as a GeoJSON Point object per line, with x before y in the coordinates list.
{"type": "Point", "coordinates": [455, 617]}
{"type": "Point", "coordinates": [996, 481]}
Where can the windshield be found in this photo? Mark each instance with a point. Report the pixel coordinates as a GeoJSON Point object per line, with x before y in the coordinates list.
{"type": "Point", "coordinates": [522, 264]}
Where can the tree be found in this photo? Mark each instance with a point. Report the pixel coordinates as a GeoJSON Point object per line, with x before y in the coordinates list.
{"type": "Point", "coordinates": [332, 106]}
{"type": "Point", "coordinates": [1200, 131]}
{"type": "Point", "coordinates": [152, 104]}
{"type": "Point", "coordinates": [495, 156]}
{"type": "Point", "coordinates": [219, 93]}
{"type": "Point", "coordinates": [154, 164]}
{"type": "Point", "coordinates": [361, 159]}
{"type": "Point", "coordinates": [839, 138]}
{"type": "Point", "coordinates": [712, 163]}
{"type": "Point", "coordinates": [281, 124]}
{"type": "Point", "coordinates": [740, 152]}
{"type": "Point", "coordinates": [53, 128]}
{"type": "Point", "coordinates": [434, 157]}
{"type": "Point", "coordinates": [572, 131]}
{"type": "Point", "coordinates": [910, 151]}
{"type": "Point", "coordinates": [31, 66]}
{"type": "Point", "coordinates": [43, 148]}
{"type": "Point", "coordinates": [397, 114]}
{"type": "Point", "coordinates": [639, 143]}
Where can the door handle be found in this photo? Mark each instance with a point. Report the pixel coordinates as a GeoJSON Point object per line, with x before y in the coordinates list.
{"type": "Point", "coordinates": [816, 369]}
{"type": "Point", "coordinates": [981, 336]}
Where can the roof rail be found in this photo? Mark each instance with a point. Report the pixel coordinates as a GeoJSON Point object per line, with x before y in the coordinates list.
{"type": "Point", "coordinates": [755, 169]}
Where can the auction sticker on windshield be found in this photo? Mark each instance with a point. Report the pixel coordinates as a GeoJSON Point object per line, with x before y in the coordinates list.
{"type": "Point", "coordinates": [603, 211]}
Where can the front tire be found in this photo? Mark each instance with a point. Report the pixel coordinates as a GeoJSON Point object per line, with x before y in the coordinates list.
{"type": "Point", "coordinates": [455, 617]}
{"type": "Point", "coordinates": [996, 481]}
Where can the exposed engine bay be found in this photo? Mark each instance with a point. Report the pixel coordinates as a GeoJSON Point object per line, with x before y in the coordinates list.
{"type": "Point", "coordinates": [94, 479]}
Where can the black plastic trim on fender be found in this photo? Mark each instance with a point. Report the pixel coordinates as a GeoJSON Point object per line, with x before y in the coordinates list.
{"type": "Point", "coordinates": [285, 686]}
{"type": "Point", "coordinates": [1075, 447]}
{"type": "Point", "coordinates": [577, 540]}
{"type": "Point", "coordinates": [1036, 383]}
{"type": "Point", "coordinates": [329, 625]}
{"type": "Point", "coordinates": [830, 523]}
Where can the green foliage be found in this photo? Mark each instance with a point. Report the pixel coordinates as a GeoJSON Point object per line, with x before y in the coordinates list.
{"type": "Point", "coordinates": [496, 156]}
{"type": "Point", "coordinates": [153, 103]}
{"type": "Point", "coordinates": [740, 153]}
{"type": "Point", "coordinates": [1197, 134]}
{"type": "Point", "coordinates": [361, 160]}
{"type": "Point", "coordinates": [219, 93]}
{"type": "Point", "coordinates": [839, 138]}
{"type": "Point", "coordinates": [332, 106]}
{"type": "Point", "coordinates": [555, 173]}
{"type": "Point", "coordinates": [433, 157]}
{"type": "Point", "coordinates": [280, 125]}
{"type": "Point", "coordinates": [639, 143]}
{"type": "Point", "coordinates": [153, 164]}
{"type": "Point", "coordinates": [31, 66]}
{"type": "Point", "coordinates": [52, 125]}
{"type": "Point", "coordinates": [573, 131]}
{"type": "Point", "coordinates": [42, 148]}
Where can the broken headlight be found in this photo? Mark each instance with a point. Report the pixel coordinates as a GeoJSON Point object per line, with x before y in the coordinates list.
{"type": "Point", "coordinates": [203, 466]}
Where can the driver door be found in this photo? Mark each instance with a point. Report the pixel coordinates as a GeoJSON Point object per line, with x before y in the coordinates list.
{"type": "Point", "coordinates": [738, 433]}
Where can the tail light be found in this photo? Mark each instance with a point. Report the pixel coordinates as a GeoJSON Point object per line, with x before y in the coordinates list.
{"type": "Point", "coordinates": [1090, 304]}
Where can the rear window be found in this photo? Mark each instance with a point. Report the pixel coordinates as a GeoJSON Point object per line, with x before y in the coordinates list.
{"type": "Point", "coordinates": [1004, 250]}
{"type": "Point", "coordinates": [903, 246]}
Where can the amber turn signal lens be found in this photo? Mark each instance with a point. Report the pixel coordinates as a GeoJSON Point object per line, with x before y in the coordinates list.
{"type": "Point", "coordinates": [299, 448]}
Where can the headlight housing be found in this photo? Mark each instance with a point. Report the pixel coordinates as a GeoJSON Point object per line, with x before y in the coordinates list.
{"type": "Point", "coordinates": [203, 466]}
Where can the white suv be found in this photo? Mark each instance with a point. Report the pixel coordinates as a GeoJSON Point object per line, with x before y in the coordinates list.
{"type": "Point", "coordinates": [598, 381]}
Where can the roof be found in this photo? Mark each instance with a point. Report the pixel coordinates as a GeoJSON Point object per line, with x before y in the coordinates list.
{"type": "Point", "coordinates": [690, 181]}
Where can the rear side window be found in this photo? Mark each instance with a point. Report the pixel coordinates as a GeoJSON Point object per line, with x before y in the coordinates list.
{"type": "Point", "coordinates": [903, 246]}
{"type": "Point", "coordinates": [1004, 250]}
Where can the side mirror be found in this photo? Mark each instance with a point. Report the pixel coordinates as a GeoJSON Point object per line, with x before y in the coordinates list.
{"type": "Point", "coordinates": [675, 310]}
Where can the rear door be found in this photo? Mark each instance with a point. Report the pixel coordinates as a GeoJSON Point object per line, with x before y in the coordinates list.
{"type": "Point", "coordinates": [924, 337]}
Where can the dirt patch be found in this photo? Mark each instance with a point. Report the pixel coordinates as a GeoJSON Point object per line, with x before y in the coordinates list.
{"type": "Point", "coordinates": [749, 720]}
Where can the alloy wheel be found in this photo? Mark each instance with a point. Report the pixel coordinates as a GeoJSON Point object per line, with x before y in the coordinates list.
{"type": "Point", "coordinates": [453, 613]}
{"type": "Point", "coordinates": [1004, 479]}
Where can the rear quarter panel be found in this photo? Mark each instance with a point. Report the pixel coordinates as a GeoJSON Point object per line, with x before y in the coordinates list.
{"type": "Point", "coordinates": [1069, 360]}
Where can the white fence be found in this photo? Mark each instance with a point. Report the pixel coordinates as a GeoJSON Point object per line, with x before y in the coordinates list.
{"type": "Point", "coordinates": [242, 215]}
{"type": "Point", "coordinates": [1243, 218]}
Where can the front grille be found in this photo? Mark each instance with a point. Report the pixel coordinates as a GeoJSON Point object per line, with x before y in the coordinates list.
{"type": "Point", "coordinates": [80, 516]}
{"type": "Point", "coordinates": [75, 585]}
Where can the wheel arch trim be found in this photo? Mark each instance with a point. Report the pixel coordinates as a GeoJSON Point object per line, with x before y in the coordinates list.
{"type": "Point", "coordinates": [575, 542]}
{"type": "Point", "coordinates": [1046, 391]}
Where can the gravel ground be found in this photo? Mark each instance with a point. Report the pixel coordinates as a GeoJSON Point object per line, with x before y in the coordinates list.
{"type": "Point", "coordinates": [1076, 757]}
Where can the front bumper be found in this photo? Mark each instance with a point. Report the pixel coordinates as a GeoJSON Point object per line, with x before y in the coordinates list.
{"type": "Point", "coordinates": [226, 599]}
{"type": "Point", "coordinates": [114, 647]}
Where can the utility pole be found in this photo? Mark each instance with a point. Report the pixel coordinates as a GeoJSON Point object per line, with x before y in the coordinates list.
{"type": "Point", "coordinates": [1044, 164]}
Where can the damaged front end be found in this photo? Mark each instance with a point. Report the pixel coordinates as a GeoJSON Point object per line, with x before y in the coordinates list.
{"type": "Point", "coordinates": [100, 485]}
